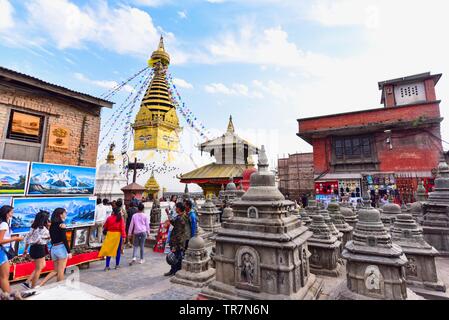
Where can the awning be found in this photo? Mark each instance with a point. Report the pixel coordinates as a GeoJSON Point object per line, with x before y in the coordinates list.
{"type": "Point", "coordinates": [339, 176]}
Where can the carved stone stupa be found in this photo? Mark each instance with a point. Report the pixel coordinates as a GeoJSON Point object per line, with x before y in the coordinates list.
{"type": "Point", "coordinates": [324, 249]}
{"type": "Point", "coordinates": [196, 270]}
{"type": "Point", "coordinates": [420, 270]}
{"type": "Point", "coordinates": [155, 218]}
{"type": "Point", "coordinates": [416, 208]}
{"type": "Point", "coordinates": [375, 266]}
{"type": "Point", "coordinates": [389, 213]}
{"type": "Point", "coordinates": [261, 252]}
{"type": "Point", "coordinates": [109, 180]}
{"type": "Point", "coordinates": [436, 212]}
{"type": "Point", "coordinates": [349, 214]}
{"type": "Point", "coordinates": [339, 221]}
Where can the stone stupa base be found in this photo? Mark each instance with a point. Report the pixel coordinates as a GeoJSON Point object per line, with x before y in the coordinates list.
{"type": "Point", "coordinates": [438, 238]}
{"type": "Point", "coordinates": [196, 280]}
{"type": "Point", "coordinates": [220, 291]}
{"type": "Point", "coordinates": [341, 292]}
{"type": "Point", "coordinates": [327, 272]}
{"type": "Point", "coordinates": [427, 293]}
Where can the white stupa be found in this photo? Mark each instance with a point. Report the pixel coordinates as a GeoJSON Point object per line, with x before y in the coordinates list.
{"type": "Point", "coordinates": [109, 181]}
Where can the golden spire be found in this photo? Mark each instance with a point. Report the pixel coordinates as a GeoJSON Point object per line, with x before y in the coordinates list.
{"type": "Point", "coordinates": [230, 125]}
{"type": "Point", "coordinates": [152, 186]}
{"type": "Point", "coordinates": [110, 158]}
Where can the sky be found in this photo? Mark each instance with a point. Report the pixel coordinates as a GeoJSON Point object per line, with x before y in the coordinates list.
{"type": "Point", "coordinates": [266, 62]}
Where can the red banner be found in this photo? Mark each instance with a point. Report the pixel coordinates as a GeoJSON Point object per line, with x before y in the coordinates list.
{"type": "Point", "coordinates": [161, 237]}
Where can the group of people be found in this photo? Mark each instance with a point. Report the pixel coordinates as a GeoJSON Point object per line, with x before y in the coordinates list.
{"type": "Point", "coordinates": [45, 228]}
{"type": "Point", "coordinates": [122, 227]}
{"type": "Point", "coordinates": [183, 218]}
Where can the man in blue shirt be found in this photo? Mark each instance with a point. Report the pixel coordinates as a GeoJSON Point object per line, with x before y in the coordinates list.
{"type": "Point", "coordinates": [192, 215]}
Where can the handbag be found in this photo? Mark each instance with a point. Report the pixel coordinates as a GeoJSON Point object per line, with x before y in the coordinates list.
{"type": "Point", "coordinates": [11, 253]}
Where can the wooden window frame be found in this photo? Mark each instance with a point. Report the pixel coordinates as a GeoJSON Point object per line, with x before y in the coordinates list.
{"type": "Point", "coordinates": [25, 137]}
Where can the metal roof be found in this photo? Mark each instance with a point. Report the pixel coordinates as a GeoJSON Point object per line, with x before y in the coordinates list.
{"type": "Point", "coordinates": [14, 76]}
{"type": "Point", "coordinates": [215, 171]}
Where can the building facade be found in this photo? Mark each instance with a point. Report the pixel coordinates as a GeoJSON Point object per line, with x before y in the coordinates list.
{"type": "Point", "coordinates": [383, 150]}
{"type": "Point", "coordinates": [296, 175]}
{"type": "Point", "coordinates": [43, 122]}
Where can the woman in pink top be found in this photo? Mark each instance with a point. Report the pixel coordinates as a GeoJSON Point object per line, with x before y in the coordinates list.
{"type": "Point", "coordinates": [140, 228]}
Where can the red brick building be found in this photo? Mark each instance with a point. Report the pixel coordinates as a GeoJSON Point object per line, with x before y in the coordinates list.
{"type": "Point", "coordinates": [296, 175]}
{"type": "Point", "coordinates": [44, 122]}
{"type": "Point", "coordinates": [383, 149]}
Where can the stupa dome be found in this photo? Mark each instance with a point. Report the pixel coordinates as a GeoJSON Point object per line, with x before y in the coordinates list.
{"type": "Point", "coordinates": [369, 215]}
{"type": "Point", "coordinates": [196, 243]}
{"type": "Point", "coordinates": [347, 212]}
{"type": "Point", "coordinates": [391, 208]}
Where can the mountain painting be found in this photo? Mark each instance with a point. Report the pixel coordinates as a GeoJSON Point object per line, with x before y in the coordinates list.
{"type": "Point", "coordinates": [57, 180]}
{"type": "Point", "coordinates": [13, 177]}
{"type": "Point", "coordinates": [5, 201]}
{"type": "Point", "coordinates": [80, 211]}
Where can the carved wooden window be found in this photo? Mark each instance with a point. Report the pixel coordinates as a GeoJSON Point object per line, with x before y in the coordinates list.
{"type": "Point", "coordinates": [25, 126]}
{"type": "Point", "coordinates": [352, 148]}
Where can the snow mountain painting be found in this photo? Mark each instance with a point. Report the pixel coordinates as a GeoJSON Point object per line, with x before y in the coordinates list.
{"type": "Point", "coordinates": [80, 211]}
{"type": "Point", "coordinates": [55, 179]}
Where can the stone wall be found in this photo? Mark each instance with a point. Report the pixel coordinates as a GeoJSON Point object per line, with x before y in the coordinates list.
{"type": "Point", "coordinates": [83, 122]}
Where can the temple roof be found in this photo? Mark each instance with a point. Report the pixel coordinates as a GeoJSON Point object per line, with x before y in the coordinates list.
{"type": "Point", "coordinates": [229, 138]}
{"type": "Point", "coordinates": [152, 184]}
{"type": "Point", "coordinates": [214, 171]}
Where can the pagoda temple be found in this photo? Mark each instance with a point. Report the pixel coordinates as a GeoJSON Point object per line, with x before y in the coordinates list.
{"type": "Point", "coordinates": [231, 154]}
{"type": "Point", "coordinates": [157, 125]}
{"type": "Point", "coordinates": [151, 188]}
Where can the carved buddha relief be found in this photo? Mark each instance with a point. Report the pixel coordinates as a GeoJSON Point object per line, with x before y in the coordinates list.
{"type": "Point", "coordinates": [247, 269]}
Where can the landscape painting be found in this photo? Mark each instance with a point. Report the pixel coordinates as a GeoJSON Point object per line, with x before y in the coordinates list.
{"type": "Point", "coordinates": [56, 180]}
{"type": "Point", "coordinates": [13, 177]}
{"type": "Point", "coordinates": [80, 211]}
{"type": "Point", "coordinates": [5, 201]}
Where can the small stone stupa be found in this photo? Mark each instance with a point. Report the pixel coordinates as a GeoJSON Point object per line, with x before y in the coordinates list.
{"type": "Point", "coordinates": [209, 221]}
{"type": "Point", "coordinates": [416, 208]}
{"type": "Point", "coordinates": [420, 270]}
{"type": "Point", "coordinates": [389, 213]}
{"type": "Point", "coordinates": [261, 252]}
{"type": "Point", "coordinates": [155, 219]}
{"type": "Point", "coordinates": [324, 249]}
{"type": "Point", "coordinates": [349, 214]}
{"type": "Point", "coordinates": [151, 188]}
{"type": "Point", "coordinates": [436, 212]}
{"type": "Point", "coordinates": [109, 180]}
{"type": "Point", "coordinates": [196, 270]}
{"type": "Point", "coordinates": [374, 265]}
{"type": "Point", "coordinates": [339, 221]}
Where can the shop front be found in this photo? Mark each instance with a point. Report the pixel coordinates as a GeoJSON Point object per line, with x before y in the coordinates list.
{"type": "Point", "coordinates": [340, 186]}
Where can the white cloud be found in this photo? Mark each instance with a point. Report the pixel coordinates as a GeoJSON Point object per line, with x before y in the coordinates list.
{"type": "Point", "coordinates": [6, 15]}
{"type": "Point", "coordinates": [235, 89]}
{"type": "Point", "coordinates": [182, 14]}
{"type": "Point", "coordinates": [122, 29]}
{"type": "Point", "coordinates": [105, 84]}
{"type": "Point", "coordinates": [182, 83]}
{"type": "Point", "coordinates": [152, 3]}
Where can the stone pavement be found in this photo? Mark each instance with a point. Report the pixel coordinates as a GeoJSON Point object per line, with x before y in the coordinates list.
{"type": "Point", "coordinates": [136, 282]}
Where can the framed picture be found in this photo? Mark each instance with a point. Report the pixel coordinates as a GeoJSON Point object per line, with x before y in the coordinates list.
{"type": "Point", "coordinates": [5, 201]}
{"type": "Point", "coordinates": [69, 235]}
{"type": "Point", "coordinates": [48, 179]}
{"type": "Point", "coordinates": [81, 237]}
{"type": "Point", "coordinates": [80, 211]}
{"type": "Point", "coordinates": [25, 126]}
{"type": "Point", "coordinates": [13, 177]}
{"type": "Point", "coordinates": [59, 137]}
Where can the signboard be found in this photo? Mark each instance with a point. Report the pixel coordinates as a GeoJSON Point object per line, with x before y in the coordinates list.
{"type": "Point", "coordinates": [162, 236]}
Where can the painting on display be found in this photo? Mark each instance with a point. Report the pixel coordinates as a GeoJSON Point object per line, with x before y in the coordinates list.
{"type": "Point", "coordinates": [5, 201]}
{"type": "Point", "coordinates": [48, 179]}
{"type": "Point", "coordinates": [20, 246]}
{"type": "Point", "coordinates": [81, 237]}
{"type": "Point", "coordinates": [80, 211]}
{"type": "Point", "coordinates": [13, 177]}
{"type": "Point", "coordinates": [59, 137]}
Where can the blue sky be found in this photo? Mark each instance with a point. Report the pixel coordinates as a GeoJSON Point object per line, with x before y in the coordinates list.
{"type": "Point", "coordinates": [266, 62]}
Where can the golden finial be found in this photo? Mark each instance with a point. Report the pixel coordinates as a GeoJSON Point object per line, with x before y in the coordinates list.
{"type": "Point", "coordinates": [110, 158]}
{"type": "Point", "coordinates": [230, 125]}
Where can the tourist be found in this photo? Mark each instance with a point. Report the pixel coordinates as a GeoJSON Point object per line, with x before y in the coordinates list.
{"type": "Point", "coordinates": [130, 212]}
{"type": "Point", "coordinates": [119, 205]}
{"type": "Point", "coordinates": [96, 231]}
{"type": "Point", "coordinates": [107, 208]}
{"type": "Point", "coordinates": [304, 200]}
{"type": "Point", "coordinates": [60, 250]}
{"type": "Point", "coordinates": [134, 200]}
{"type": "Point", "coordinates": [384, 199]}
{"type": "Point", "coordinates": [6, 246]}
{"type": "Point", "coordinates": [140, 229]}
{"type": "Point", "coordinates": [171, 211]}
{"type": "Point", "coordinates": [191, 226]}
{"type": "Point", "coordinates": [114, 228]}
{"type": "Point", "coordinates": [37, 239]}
{"type": "Point", "coordinates": [177, 237]}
